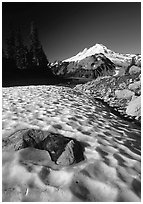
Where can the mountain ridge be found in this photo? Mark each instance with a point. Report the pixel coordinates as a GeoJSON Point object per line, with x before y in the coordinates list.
{"type": "Point", "coordinates": [115, 57]}
{"type": "Point", "coordinates": [94, 62]}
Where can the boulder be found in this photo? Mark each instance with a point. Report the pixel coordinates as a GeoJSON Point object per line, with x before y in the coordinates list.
{"type": "Point", "coordinates": [34, 156]}
{"type": "Point", "coordinates": [71, 154]}
{"type": "Point", "coordinates": [123, 85]}
{"type": "Point", "coordinates": [134, 107]}
{"type": "Point", "coordinates": [61, 150]}
{"type": "Point", "coordinates": [55, 144]}
{"type": "Point", "coordinates": [13, 141]}
{"type": "Point", "coordinates": [124, 94]}
{"type": "Point", "coordinates": [33, 138]}
{"type": "Point", "coordinates": [134, 86]}
{"type": "Point", "coordinates": [134, 69]}
{"type": "Point", "coordinates": [67, 156]}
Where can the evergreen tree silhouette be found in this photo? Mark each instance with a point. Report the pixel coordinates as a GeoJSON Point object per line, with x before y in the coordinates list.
{"type": "Point", "coordinates": [10, 64]}
{"type": "Point", "coordinates": [11, 51]}
{"type": "Point", "coordinates": [37, 55]}
{"type": "Point", "coordinates": [21, 51]}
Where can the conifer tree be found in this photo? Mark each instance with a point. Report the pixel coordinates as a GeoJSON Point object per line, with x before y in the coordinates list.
{"type": "Point", "coordinates": [11, 51]}
{"type": "Point", "coordinates": [37, 54]}
{"type": "Point", "coordinates": [21, 52]}
{"type": "Point", "coordinates": [10, 63]}
{"type": "Point", "coordinates": [4, 60]}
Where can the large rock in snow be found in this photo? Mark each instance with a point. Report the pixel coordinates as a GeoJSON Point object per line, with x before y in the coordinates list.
{"type": "Point", "coordinates": [134, 107]}
{"type": "Point", "coordinates": [135, 69]}
{"type": "Point", "coordinates": [34, 156]}
{"type": "Point", "coordinates": [61, 150]}
{"type": "Point", "coordinates": [134, 86]}
{"type": "Point", "coordinates": [125, 93]}
{"type": "Point", "coordinates": [67, 156]}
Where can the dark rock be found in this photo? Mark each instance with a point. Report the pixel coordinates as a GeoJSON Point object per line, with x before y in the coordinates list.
{"type": "Point", "coordinates": [14, 141]}
{"type": "Point", "coordinates": [19, 145]}
{"type": "Point", "coordinates": [55, 145]}
{"type": "Point", "coordinates": [62, 150]}
{"type": "Point", "coordinates": [33, 138]}
{"type": "Point", "coordinates": [88, 68]}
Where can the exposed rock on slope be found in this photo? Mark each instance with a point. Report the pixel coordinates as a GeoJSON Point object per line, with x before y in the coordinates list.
{"type": "Point", "coordinates": [90, 67]}
{"type": "Point", "coordinates": [123, 93]}
{"type": "Point", "coordinates": [96, 61]}
{"type": "Point", "coordinates": [117, 58]}
{"type": "Point", "coordinates": [134, 107]}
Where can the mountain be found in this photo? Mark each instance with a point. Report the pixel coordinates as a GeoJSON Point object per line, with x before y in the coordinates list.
{"type": "Point", "coordinates": [94, 62]}
{"type": "Point", "coordinates": [87, 68]}
{"type": "Point", "coordinates": [117, 58]}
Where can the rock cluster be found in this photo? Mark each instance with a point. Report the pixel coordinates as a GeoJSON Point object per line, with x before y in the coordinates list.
{"type": "Point", "coordinates": [61, 150]}
{"type": "Point", "coordinates": [123, 93]}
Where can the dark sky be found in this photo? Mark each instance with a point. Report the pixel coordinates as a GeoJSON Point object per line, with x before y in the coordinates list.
{"type": "Point", "coordinates": [67, 28]}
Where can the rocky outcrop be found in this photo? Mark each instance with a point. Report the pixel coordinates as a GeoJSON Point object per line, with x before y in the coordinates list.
{"type": "Point", "coordinates": [95, 62]}
{"type": "Point", "coordinates": [121, 93]}
{"type": "Point", "coordinates": [134, 107]}
{"type": "Point", "coordinates": [58, 149]}
{"type": "Point", "coordinates": [67, 156]}
{"type": "Point", "coordinates": [136, 86]}
{"type": "Point", "coordinates": [135, 69]}
{"type": "Point", "coordinates": [119, 59]}
{"type": "Point", "coordinates": [124, 94]}
{"type": "Point", "coordinates": [90, 67]}
{"type": "Point", "coordinates": [31, 156]}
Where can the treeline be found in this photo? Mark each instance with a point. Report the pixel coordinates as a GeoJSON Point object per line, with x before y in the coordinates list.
{"type": "Point", "coordinates": [18, 57]}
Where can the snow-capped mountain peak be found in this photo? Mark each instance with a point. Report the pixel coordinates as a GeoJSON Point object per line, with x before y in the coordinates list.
{"type": "Point", "coordinates": [98, 48]}
{"type": "Point", "coordinates": [117, 58]}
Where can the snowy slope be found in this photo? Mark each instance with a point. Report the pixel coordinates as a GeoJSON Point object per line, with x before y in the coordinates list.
{"type": "Point", "coordinates": [116, 58]}
{"type": "Point", "coordinates": [86, 53]}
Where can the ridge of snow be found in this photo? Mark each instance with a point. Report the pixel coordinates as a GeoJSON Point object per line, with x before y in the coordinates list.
{"type": "Point", "coordinates": [99, 48]}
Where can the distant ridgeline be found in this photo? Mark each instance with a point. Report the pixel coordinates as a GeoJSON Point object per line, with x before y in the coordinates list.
{"type": "Point", "coordinates": [89, 64]}
{"type": "Point", "coordinates": [95, 62]}
{"type": "Point", "coordinates": [90, 67]}
{"type": "Point", "coordinates": [17, 56]}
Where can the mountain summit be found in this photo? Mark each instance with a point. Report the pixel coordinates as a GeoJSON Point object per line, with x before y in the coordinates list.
{"type": "Point", "coordinates": [94, 62]}
{"type": "Point", "coordinates": [117, 58]}
{"type": "Point", "coordinates": [98, 48]}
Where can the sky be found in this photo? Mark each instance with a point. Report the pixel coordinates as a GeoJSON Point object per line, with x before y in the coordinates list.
{"type": "Point", "coordinates": [67, 28]}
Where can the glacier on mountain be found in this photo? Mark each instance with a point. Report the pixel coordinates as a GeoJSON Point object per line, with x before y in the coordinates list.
{"type": "Point", "coordinates": [117, 58]}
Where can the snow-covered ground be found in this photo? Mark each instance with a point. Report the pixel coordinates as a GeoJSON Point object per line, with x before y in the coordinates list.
{"type": "Point", "coordinates": [112, 169]}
